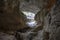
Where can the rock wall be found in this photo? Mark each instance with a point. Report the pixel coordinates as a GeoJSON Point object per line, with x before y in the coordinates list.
{"type": "Point", "coordinates": [51, 27]}
{"type": "Point", "coordinates": [11, 20]}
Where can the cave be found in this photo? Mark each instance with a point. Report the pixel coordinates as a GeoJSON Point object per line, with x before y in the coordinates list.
{"type": "Point", "coordinates": [29, 19]}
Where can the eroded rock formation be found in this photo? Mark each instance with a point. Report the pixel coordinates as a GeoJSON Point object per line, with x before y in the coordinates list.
{"type": "Point", "coordinates": [13, 20]}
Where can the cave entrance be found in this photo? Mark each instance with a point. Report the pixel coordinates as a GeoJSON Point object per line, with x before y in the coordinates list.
{"type": "Point", "coordinates": [29, 10]}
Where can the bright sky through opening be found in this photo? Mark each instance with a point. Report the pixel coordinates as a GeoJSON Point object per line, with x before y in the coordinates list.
{"type": "Point", "coordinates": [30, 16]}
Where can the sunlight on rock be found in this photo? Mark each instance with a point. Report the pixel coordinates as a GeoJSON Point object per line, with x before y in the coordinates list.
{"type": "Point", "coordinates": [30, 15]}
{"type": "Point", "coordinates": [32, 24]}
